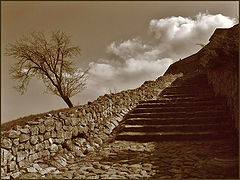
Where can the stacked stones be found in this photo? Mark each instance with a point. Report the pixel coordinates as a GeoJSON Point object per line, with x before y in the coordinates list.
{"type": "Point", "coordinates": [79, 130]}
{"type": "Point", "coordinates": [224, 83]}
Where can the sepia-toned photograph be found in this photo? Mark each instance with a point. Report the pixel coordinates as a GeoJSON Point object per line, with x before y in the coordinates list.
{"type": "Point", "coordinates": [119, 89]}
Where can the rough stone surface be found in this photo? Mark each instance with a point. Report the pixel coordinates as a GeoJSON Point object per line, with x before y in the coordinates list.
{"type": "Point", "coordinates": [47, 170]}
{"type": "Point", "coordinates": [34, 130]}
{"type": "Point", "coordinates": [13, 134]}
{"type": "Point", "coordinates": [31, 170]}
{"type": "Point", "coordinates": [23, 138]}
{"type": "Point", "coordinates": [24, 130]}
{"type": "Point", "coordinates": [21, 155]}
{"type": "Point", "coordinates": [6, 157]}
{"type": "Point", "coordinates": [79, 130]}
{"type": "Point", "coordinates": [6, 143]}
{"type": "Point", "coordinates": [34, 139]}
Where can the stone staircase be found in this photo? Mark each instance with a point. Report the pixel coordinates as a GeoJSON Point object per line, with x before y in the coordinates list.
{"type": "Point", "coordinates": [187, 110]}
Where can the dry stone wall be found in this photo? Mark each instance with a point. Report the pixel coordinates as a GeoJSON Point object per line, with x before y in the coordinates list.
{"type": "Point", "coordinates": [80, 130]}
{"type": "Point", "coordinates": [225, 83]}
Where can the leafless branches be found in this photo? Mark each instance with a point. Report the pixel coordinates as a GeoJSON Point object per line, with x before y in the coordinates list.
{"type": "Point", "coordinates": [49, 59]}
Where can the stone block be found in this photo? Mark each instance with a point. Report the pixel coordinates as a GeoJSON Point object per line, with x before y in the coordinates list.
{"type": "Point", "coordinates": [27, 145]}
{"type": "Point", "coordinates": [15, 175]}
{"type": "Point", "coordinates": [6, 157]}
{"type": "Point", "coordinates": [24, 163]}
{"type": "Point", "coordinates": [62, 161]}
{"type": "Point", "coordinates": [45, 153]}
{"type": "Point", "coordinates": [75, 121]}
{"type": "Point", "coordinates": [67, 121]}
{"type": "Point", "coordinates": [89, 149]}
{"type": "Point", "coordinates": [34, 130]}
{"type": "Point", "coordinates": [51, 140]}
{"type": "Point", "coordinates": [81, 130]}
{"type": "Point", "coordinates": [15, 150]}
{"type": "Point", "coordinates": [47, 135]}
{"type": "Point", "coordinates": [21, 146]}
{"type": "Point", "coordinates": [60, 134]}
{"type": "Point", "coordinates": [32, 150]}
{"type": "Point", "coordinates": [98, 140]}
{"type": "Point", "coordinates": [54, 148]}
{"type": "Point", "coordinates": [34, 140]}
{"type": "Point", "coordinates": [119, 119]}
{"type": "Point", "coordinates": [25, 130]}
{"type": "Point", "coordinates": [4, 173]}
{"type": "Point", "coordinates": [21, 155]}
{"type": "Point", "coordinates": [13, 134]}
{"type": "Point", "coordinates": [81, 141]}
{"type": "Point", "coordinates": [47, 170]}
{"type": "Point", "coordinates": [33, 157]}
{"type": "Point", "coordinates": [46, 144]}
{"type": "Point", "coordinates": [37, 167]}
{"type": "Point", "coordinates": [68, 135]}
{"type": "Point", "coordinates": [42, 129]}
{"type": "Point", "coordinates": [23, 138]}
{"type": "Point", "coordinates": [6, 143]}
{"type": "Point", "coordinates": [39, 147]}
{"type": "Point", "coordinates": [103, 136]}
{"type": "Point", "coordinates": [58, 125]}
{"type": "Point", "coordinates": [54, 134]}
{"type": "Point", "coordinates": [60, 148]}
{"type": "Point", "coordinates": [69, 142]}
{"type": "Point", "coordinates": [12, 166]}
{"type": "Point", "coordinates": [40, 154]}
{"type": "Point", "coordinates": [15, 141]}
{"type": "Point", "coordinates": [75, 131]}
{"type": "Point", "coordinates": [78, 151]}
{"type": "Point", "coordinates": [67, 128]}
{"type": "Point", "coordinates": [107, 131]}
{"type": "Point", "coordinates": [59, 141]}
{"type": "Point", "coordinates": [115, 122]}
{"type": "Point", "coordinates": [49, 122]}
{"type": "Point", "coordinates": [91, 126]}
{"type": "Point", "coordinates": [31, 170]}
{"type": "Point", "coordinates": [50, 128]}
{"type": "Point", "coordinates": [41, 138]}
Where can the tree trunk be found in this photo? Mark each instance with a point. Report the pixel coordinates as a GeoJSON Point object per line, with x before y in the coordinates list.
{"type": "Point", "coordinates": [67, 101]}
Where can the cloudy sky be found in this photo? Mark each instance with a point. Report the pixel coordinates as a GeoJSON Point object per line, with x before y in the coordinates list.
{"type": "Point", "coordinates": [123, 43]}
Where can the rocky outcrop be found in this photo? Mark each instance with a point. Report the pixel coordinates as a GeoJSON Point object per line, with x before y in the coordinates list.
{"type": "Point", "coordinates": [79, 130]}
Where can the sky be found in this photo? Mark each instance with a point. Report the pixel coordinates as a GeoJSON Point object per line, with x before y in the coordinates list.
{"type": "Point", "coordinates": [123, 43]}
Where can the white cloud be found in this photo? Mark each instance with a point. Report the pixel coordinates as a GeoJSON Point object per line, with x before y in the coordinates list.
{"type": "Point", "coordinates": [178, 36]}
{"type": "Point", "coordinates": [127, 49]}
{"type": "Point", "coordinates": [134, 61]}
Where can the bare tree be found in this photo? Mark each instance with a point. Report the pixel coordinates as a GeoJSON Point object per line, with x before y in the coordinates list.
{"type": "Point", "coordinates": [49, 59]}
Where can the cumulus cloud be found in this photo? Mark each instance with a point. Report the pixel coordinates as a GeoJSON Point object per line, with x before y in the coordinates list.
{"type": "Point", "coordinates": [129, 63]}
{"type": "Point", "coordinates": [177, 36]}
{"type": "Point", "coordinates": [127, 49]}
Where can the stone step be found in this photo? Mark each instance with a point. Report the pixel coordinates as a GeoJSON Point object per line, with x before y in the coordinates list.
{"type": "Point", "coordinates": [177, 120]}
{"type": "Point", "coordinates": [173, 136]}
{"type": "Point", "coordinates": [181, 104]}
{"type": "Point", "coordinates": [182, 99]}
{"type": "Point", "coordinates": [192, 82]}
{"type": "Point", "coordinates": [193, 78]}
{"type": "Point", "coordinates": [210, 112]}
{"type": "Point", "coordinates": [182, 82]}
{"type": "Point", "coordinates": [182, 90]}
{"type": "Point", "coordinates": [176, 128]}
{"type": "Point", "coordinates": [177, 109]}
{"type": "Point", "coordinates": [190, 95]}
